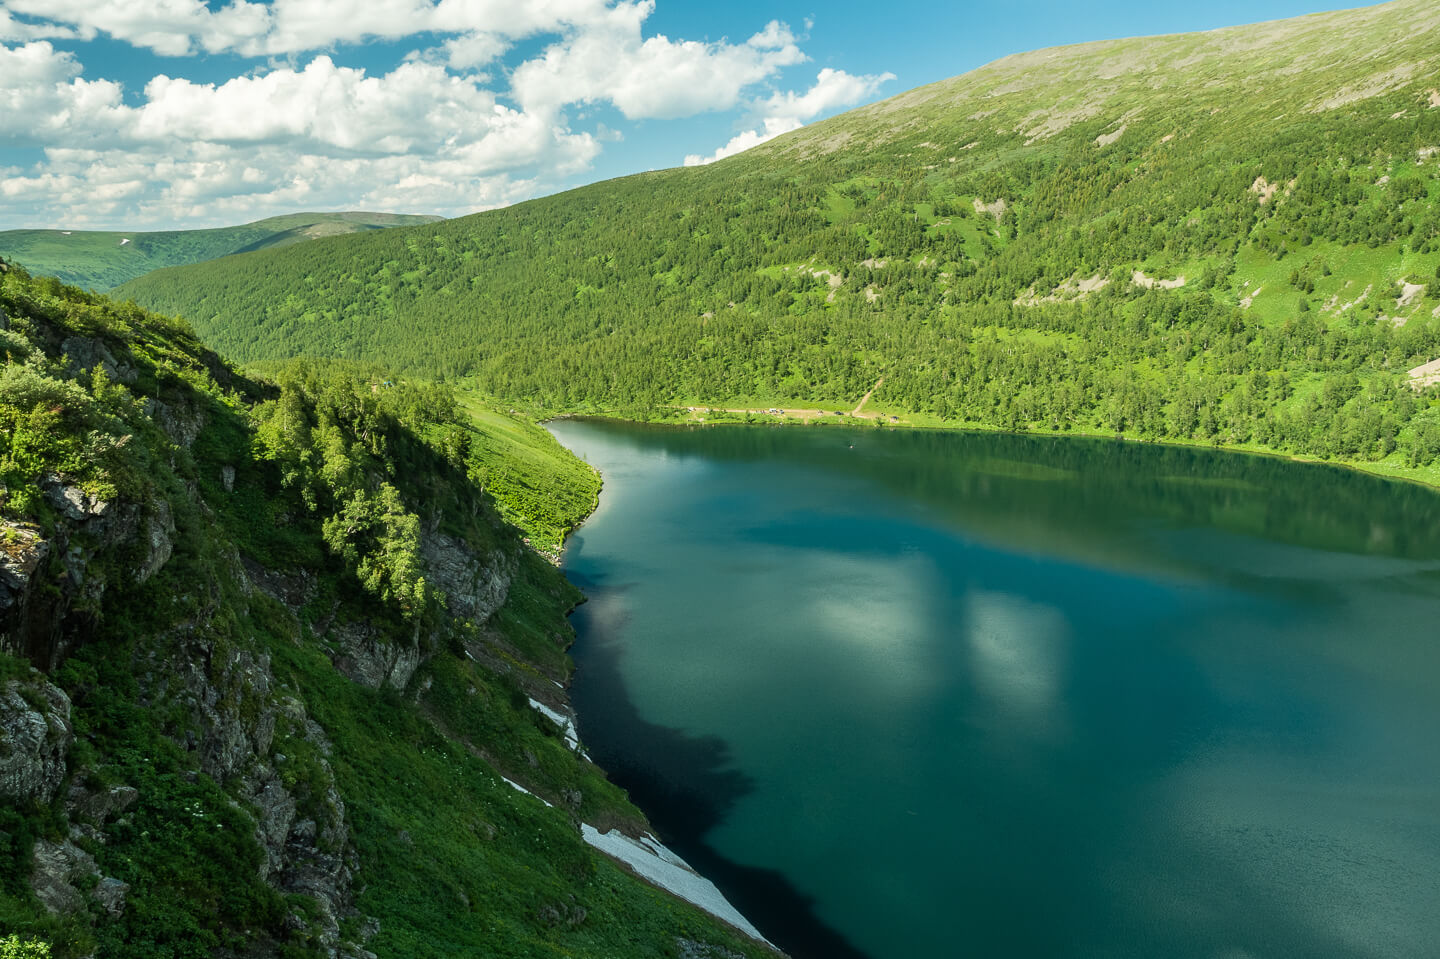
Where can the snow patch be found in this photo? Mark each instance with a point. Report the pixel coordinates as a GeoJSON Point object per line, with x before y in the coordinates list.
{"type": "Point", "coordinates": [649, 858]}
{"type": "Point", "coordinates": [525, 791]}
{"type": "Point", "coordinates": [565, 721]}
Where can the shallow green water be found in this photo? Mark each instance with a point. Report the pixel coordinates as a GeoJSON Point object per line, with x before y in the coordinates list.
{"type": "Point", "coordinates": [1007, 696]}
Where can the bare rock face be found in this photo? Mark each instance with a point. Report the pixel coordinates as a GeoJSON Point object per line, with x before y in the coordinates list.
{"type": "Point", "coordinates": [22, 550]}
{"type": "Point", "coordinates": [367, 659]}
{"type": "Point", "coordinates": [94, 807]}
{"type": "Point", "coordinates": [226, 693]}
{"type": "Point", "coordinates": [62, 872]}
{"type": "Point", "coordinates": [35, 735]}
{"type": "Point", "coordinates": [238, 718]}
{"type": "Point", "coordinates": [159, 541]}
{"type": "Point", "coordinates": [111, 893]}
{"type": "Point", "coordinates": [46, 609]}
{"type": "Point", "coordinates": [180, 421]}
{"type": "Point", "coordinates": [292, 590]}
{"type": "Point", "coordinates": [475, 586]}
{"type": "Point", "coordinates": [86, 354]}
{"type": "Point", "coordinates": [690, 949]}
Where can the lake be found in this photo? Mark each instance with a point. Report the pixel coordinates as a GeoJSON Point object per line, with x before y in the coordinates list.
{"type": "Point", "coordinates": [906, 693]}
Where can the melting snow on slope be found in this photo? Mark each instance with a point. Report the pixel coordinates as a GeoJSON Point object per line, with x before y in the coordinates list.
{"type": "Point", "coordinates": [564, 721]}
{"type": "Point", "coordinates": [658, 865]}
{"type": "Point", "coordinates": [525, 791]}
{"type": "Point", "coordinates": [668, 871]}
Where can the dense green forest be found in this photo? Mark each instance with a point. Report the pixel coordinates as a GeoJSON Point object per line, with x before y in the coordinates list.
{"type": "Point", "coordinates": [1230, 237]}
{"type": "Point", "coordinates": [287, 648]}
{"type": "Point", "coordinates": [101, 260]}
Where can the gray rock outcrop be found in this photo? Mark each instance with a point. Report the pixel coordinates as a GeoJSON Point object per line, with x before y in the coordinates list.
{"type": "Point", "coordinates": [35, 735]}
{"type": "Point", "coordinates": [475, 586]}
{"type": "Point", "coordinates": [368, 659]}
{"type": "Point", "coordinates": [48, 608]}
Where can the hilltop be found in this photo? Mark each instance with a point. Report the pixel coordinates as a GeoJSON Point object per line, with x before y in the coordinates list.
{"type": "Point", "coordinates": [1227, 237]}
{"type": "Point", "coordinates": [101, 260]}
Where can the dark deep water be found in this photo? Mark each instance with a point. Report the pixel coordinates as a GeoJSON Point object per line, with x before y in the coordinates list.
{"type": "Point", "coordinates": [915, 694]}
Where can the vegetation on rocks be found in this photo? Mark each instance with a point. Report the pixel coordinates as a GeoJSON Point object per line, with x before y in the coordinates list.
{"type": "Point", "coordinates": [288, 653]}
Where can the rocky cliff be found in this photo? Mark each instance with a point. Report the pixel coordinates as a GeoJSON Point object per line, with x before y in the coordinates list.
{"type": "Point", "coordinates": [269, 670]}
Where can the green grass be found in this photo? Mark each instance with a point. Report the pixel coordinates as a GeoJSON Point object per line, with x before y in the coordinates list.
{"type": "Point", "coordinates": [540, 486]}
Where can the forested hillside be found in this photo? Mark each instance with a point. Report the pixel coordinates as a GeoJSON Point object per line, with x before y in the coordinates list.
{"type": "Point", "coordinates": [1229, 237]}
{"type": "Point", "coordinates": [268, 657]}
{"type": "Point", "coordinates": [100, 260]}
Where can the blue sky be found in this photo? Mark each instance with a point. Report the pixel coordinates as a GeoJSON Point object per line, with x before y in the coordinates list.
{"type": "Point", "coordinates": [156, 114]}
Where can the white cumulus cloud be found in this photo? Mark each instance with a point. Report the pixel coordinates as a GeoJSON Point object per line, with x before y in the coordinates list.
{"type": "Point", "coordinates": [783, 112]}
{"type": "Point", "coordinates": [322, 136]}
{"type": "Point", "coordinates": [12, 29]}
{"type": "Point", "coordinates": [649, 78]}
{"type": "Point", "coordinates": [305, 127]}
{"type": "Point", "coordinates": [279, 27]}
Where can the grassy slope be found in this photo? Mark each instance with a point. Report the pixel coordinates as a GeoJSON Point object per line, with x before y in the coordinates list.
{"type": "Point", "coordinates": [100, 261]}
{"type": "Point", "coordinates": [1091, 163]}
{"type": "Point", "coordinates": [538, 485]}
{"type": "Point", "coordinates": [451, 859]}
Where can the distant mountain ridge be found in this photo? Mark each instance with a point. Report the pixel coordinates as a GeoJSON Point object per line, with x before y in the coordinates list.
{"type": "Point", "coordinates": [103, 259]}
{"type": "Point", "coordinates": [1229, 237]}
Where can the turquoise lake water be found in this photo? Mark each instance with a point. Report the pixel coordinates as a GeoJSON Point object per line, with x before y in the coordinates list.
{"type": "Point", "coordinates": [909, 694]}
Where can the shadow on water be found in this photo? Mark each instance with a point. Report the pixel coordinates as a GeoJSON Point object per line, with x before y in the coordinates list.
{"type": "Point", "coordinates": [686, 785]}
{"type": "Point", "coordinates": [1199, 793]}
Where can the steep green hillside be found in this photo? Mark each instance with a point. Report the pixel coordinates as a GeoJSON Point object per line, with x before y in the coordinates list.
{"type": "Point", "coordinates": [287, 649]}
{"type": "Point", "coordinates": [101, 260]}
{"type": "Point", "coordinates": [539, 486]}
{"type": "Point", "coordinates": [1229, 237]}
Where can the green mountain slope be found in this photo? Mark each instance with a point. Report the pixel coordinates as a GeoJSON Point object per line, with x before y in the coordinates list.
{"type": "Point", "coordinates": [1229, 237]}
{"type": "Point", "coordinates": [102, 260]}
{"type": "Point", "coordinates": [288, 654]}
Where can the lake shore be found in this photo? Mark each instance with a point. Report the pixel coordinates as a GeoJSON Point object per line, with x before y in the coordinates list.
{"type": "Point", "coordinates": [701, 415]}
